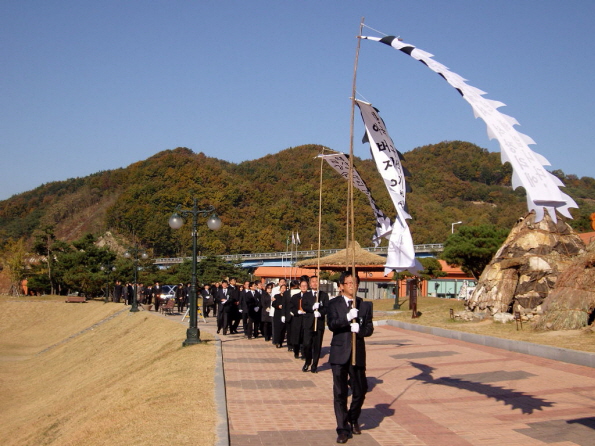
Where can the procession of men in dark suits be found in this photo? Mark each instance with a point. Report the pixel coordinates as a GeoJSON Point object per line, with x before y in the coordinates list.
{"type": "Point", "coordinates": [295, 314]}
{"type": "Point", "coordinates": [298, 315]}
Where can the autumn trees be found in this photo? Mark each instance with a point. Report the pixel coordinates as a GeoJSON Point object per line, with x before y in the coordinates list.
{"type": "Point", "coordinates": [262, 201]}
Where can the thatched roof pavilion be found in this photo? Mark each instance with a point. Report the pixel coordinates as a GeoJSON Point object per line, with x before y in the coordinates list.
{"type": "Point", "coordinates": [364, 260]}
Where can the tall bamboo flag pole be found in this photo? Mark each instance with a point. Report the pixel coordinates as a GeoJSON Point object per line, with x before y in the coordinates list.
{"type": "Point", "coordinates": [319, 236]}
{"type": "Point", "coordinates": [350, 187]}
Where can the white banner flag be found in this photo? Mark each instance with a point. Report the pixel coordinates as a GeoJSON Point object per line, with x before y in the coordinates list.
{"type": "Point", "coordinates": [528, 171]}
{"type": "Point", "coordinates": [387, 158]}
{"type": "Point", "coordinates": [340, 162]}
{"type": "Point", "coordinates": [400, 253]}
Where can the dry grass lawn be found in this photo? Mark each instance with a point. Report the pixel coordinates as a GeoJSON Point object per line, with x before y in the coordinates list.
{"type": "Point", "coordinates": [89, 374]}
{"type": "Point", "coordinates": [436, 312]}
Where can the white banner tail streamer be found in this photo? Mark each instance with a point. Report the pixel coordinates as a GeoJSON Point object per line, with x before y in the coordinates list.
{"type": "Point", "coordinates": [528, 171]}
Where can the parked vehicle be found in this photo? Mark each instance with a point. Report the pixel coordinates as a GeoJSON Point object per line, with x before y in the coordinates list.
{"type": "Point", "coordinates": [168, 292]}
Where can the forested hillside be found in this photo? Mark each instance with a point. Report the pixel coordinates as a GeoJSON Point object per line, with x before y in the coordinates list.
{"type": "Point", "coordinates": [262, 201]}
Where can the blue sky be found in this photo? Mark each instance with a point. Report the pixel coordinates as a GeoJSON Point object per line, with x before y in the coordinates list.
{"type": "Point", "coordinates": [97, 85]}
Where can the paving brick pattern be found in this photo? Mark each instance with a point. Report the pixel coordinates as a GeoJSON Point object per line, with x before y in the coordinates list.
{"type": "Point", "coordinates": [424, 390]}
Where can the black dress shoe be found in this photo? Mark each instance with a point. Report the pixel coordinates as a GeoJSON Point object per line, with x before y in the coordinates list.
{"type": "Point", "coordinates": [218, 331]}
{"type": "Point", "coordinates": [278, 345]}
{"type": "Point", "coordinates": [355, 428]}
{"type": "Point", "coordinates": [342, 438]}
{"type": "Point", "coordinates": [305, 368]}
{"type": "Point", "coordinates": [314, 370]}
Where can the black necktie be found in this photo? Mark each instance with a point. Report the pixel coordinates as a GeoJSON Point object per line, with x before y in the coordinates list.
{"type": "Point", "coordinates": [350, 304]}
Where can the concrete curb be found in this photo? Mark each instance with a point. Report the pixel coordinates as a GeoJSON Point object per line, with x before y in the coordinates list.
{"type": "Point", "coordinates": [543, 351]}
{"type": "Point", "coordinates": [221, 397]}
{"type": "Point", "coordinates": [220, 394]}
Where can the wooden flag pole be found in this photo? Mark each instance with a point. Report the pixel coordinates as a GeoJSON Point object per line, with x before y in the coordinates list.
{"type": "Point", "coordinates": [350, 187]}
{"type": "Point", "coordinates": [319, 237]}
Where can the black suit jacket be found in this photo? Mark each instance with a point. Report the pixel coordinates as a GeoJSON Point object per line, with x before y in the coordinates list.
{"type": "Point", "coordinates": [286, 302]}
{"type": "Point", "coordinates": [337, 322]}
{"type": "Point", "coordinates": [228, 298]}
{"type": "Point", "coordinates": [252, 301]}
{"type": "Point", "coordinates": [265, 301]}
{"type": "Point", "coordinates": [307, 302]}
{"type": "Point", "coordinates": [322, 309]}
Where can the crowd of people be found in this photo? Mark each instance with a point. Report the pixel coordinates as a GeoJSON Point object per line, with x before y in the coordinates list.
{"type": "Point", "coordinates": [288, 314]}
{"type": "Point", "coordinates": [149, 294]}
{"type": "Point", "coordinates": [294, 315]}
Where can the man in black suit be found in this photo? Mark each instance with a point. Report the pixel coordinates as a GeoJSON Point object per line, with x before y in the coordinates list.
{"type": "Point", "coordinates": [214, 291]}
{"type": "Point", "coordinates": [253, 307]}
{"type": "Point", "coordinates": [207, 300]}
{"type": "Point", "coordinates": [234, 315]}
{"type": "Point", "coordinates": [349, 317]}
{"type": "Point", "coordinates": [224, 301]}
{"type": "Point", "coordinates": [301, 319]}
{"type": "Point", "coordinates": [314, 332]}
{"type": "Point", "coordinates": [279, 326]}
{"type": "Point", "coordinates": [118, 289]}
{"type": "Point", "coordinates": [157, 295]}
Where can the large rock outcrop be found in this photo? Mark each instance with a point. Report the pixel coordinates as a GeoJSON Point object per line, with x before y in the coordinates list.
{"type": "Point", "coordinates": [571, 305]}
{"type": "Point", "coordinates": [527, 266]}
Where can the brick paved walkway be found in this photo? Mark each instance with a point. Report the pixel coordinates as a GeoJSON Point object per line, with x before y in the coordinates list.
{"type": "Point", "coordinates": [424, 390]}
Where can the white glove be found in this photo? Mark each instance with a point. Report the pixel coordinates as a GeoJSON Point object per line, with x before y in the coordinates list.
{"type": "Point", "coordinates": [354, 327]}
{"type": "Point", "coordinates": [241, 311]}
{"type": "Point", "coordinates": [316, 306]}
{"type": "Point", "coordinates": [291, 312]}
{"type": "Point", "coordinates": [256, 309]}
{"type": "Point", "coordinates": [316, 313]}
{"type": "Point", "coordinates": [301, 312]}
{"type": "Point", "coordinates": [223, 301]}
{"type": "Point", "coordinates": [283, 319]}
{"type": "Point", "coordinates": [352, 314]}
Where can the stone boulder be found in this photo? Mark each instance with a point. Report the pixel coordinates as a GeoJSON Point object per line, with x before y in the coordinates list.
{"type": "Point", "coordinates": [503, 317]}
{"type": "Point", "coordinates": [526, 267]}
{"type": "Point", "coordinates": [571, 305]}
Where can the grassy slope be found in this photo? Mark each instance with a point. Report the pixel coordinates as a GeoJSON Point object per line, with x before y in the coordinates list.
{"type": "Point", "coordinates": [126, 381]}
{"type": "Point", "coordinates": [436, 312]}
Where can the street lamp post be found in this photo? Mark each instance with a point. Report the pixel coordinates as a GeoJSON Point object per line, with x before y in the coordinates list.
{"type": "Point", "coordinates": [108, 269]}
{"type": "Point", "coordinates": [452, 226]}
{"type": "Point", "coordinates": [214, 223]}
{"type": "Point", "coordinates": [135, 253]}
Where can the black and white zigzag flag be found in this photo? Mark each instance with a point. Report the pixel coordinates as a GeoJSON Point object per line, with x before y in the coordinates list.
{"type": "Point", "coordinates": [542, 187]}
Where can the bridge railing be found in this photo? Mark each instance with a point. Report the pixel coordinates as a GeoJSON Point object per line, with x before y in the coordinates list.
{"type": "Point", "coordinates": [428, 248]}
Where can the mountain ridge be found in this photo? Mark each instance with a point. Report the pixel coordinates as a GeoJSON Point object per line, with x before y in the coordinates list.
{"type": "Point", "coordinates": [262, 201]}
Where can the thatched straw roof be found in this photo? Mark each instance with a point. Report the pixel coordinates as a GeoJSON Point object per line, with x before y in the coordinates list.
{"type": "Point", "coordinates": [364, 260]}
{"type": "Point", "coordinates": [571, 304]}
